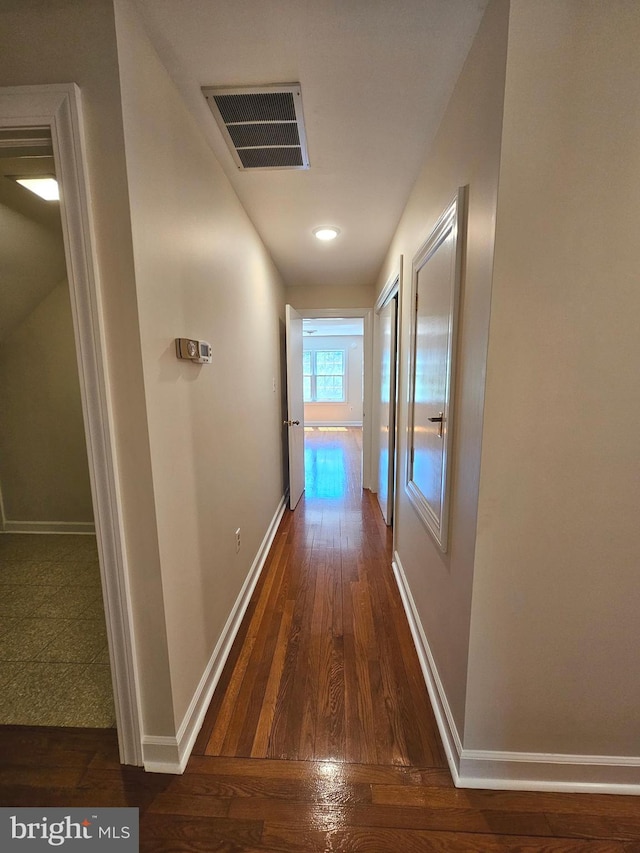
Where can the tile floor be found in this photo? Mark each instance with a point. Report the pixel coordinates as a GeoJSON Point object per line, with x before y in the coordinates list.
{"type": "Point", "coordinates": [54, 663]}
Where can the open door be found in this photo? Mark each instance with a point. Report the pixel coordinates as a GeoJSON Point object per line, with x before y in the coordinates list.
{"type": "Point", "coordinates": [386, 409]}
{"type": "Point", "coordinates": [295, 405]}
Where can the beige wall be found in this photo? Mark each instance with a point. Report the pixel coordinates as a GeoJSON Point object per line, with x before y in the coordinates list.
{"type": "Point", "coordinates": [43, 459]}
{"type": "Point", "coordinates": [32, 257]}
{"type": "Point", "coordinates": [43, 462]}
{"type": "Point", "coordinates": [466, 151]}
{"type": "Point", "coordinates": [335, 296]}
{"type": "Point", "coordinates": [215, 430]}
{"type": "Point", "coordinates": [555, 629]}
{"type": "Point", "coordinates": [351, 410]}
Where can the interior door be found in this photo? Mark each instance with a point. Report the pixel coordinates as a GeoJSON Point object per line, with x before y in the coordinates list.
{"type": "Point", "coordinates": [436, 286]}
{"type": "Point", "coordinates": [295, 405]}
{"type": "Point", "coordinates": [386, 408]}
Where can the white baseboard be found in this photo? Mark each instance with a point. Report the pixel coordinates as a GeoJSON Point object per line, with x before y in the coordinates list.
{"type": "Point", "coordinates": [521, 771]}
{"type": "Point", "coordinates": [82, 527]}
{"type": "Point", "coordinates": [170, 754]}
{"type": "Point", "coordinates": [512, 771]}
{"type": "Point", "coordinates": [444, 716]}
{"type": "Point", "coordinates": [162, 755]}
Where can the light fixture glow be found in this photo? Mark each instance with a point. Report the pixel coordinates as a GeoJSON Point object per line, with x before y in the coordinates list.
{"type": "Point", "coordinates": [46, 188]}
{"type": "Point", "coordinates": [326, 232]}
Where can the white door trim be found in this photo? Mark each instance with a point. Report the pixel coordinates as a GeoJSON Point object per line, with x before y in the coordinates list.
{"type": "Point", "coordinates": [59, 108]}
{"type": "Point", "coordinates": [367, 392]}
{"type": "Point", "coordinates": [390, 289]}
{"type": "Point", "coordinates": [393, 286]}
{"type": "Point", "coordinates": [295, 405]}
{"type": "Point", "coordinates": [388, 292]}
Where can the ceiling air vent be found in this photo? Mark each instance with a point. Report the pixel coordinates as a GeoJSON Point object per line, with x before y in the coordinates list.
{"type": "Point", "coordinates": [262, 125]}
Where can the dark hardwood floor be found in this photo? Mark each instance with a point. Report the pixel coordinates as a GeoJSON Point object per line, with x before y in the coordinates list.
{"type": "Point", "coordinates": [320, 736]}
{"type": "Point", "coordinates": [327, 669]}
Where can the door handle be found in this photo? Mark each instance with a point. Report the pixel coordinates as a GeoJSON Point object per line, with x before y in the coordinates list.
{"type": "Point", "coordinates": [291, 423]}
{"type": "Point", "coordinates": [438, 420]}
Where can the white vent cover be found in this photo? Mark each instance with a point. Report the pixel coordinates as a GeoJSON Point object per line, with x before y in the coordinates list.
{"type": "Point", "coordinates": [262, 125]}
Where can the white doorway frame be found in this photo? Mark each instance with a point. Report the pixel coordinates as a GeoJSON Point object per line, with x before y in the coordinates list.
{"type": "Point", "coordinates": [388, 292]}
{"type": "Point", "coordinates": [366, 315]}
{"type": "Point", "coordinates": [58, 107]}
{"type": "Point", "coordinates": [393, 286]}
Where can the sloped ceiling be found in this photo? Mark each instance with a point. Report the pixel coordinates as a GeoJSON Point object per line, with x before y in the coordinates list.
{"type": "Point", "coordinates": [32, 258]}
{"type": "Point", "coordinates": [376, 76]}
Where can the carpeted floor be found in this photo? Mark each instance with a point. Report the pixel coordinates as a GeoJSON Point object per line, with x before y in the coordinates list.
{"type": "Point", "coordinates": [54, 662]}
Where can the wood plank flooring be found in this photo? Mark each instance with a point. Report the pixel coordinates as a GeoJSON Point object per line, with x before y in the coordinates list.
{"type": "Point", "coordinates": [320, 736]}
{"type": "Point", "coordinates": [327, 669]}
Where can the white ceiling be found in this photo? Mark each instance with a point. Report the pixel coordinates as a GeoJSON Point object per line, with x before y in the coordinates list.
{"type": "Point", "coordinates": [333, 326]}
{"type": "Point", "coordinates": [376, 76]}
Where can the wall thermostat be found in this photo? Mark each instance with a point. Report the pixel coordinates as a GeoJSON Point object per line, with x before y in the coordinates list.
{"type": "Point", "coordinates": [198, 351]}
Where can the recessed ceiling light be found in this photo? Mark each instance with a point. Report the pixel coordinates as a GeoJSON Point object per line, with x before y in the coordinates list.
{"type": "Point", "coordinates": [46, 188]}
{"type": "Point", "coordinates": [326, 232]}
